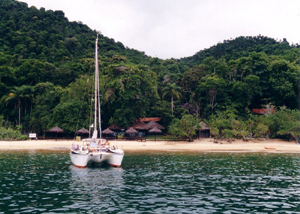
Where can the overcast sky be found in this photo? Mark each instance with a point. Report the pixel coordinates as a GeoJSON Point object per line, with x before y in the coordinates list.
{"type": "Point", "coordinates": [180, 28]}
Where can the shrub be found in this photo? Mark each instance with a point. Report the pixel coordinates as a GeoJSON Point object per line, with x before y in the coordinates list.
{"type": "Point", "coordinates": [10, 134]}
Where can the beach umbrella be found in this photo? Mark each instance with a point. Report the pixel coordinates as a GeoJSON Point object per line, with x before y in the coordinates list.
{"type": "Point", "coordinates": [107, 131]}
{"type": "Point", "coordinates": [83, 131]}
{"type": "Point", "coordinates": [131, 131]}
{"type": "Point", "coordinates": [155, 131]}
{"type": "Point", "coordinates": [56, 130]}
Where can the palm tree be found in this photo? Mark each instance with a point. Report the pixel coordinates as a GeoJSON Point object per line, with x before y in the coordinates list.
{"type": "Point", "coordinates": [174, 91]}
{"type": "Point", "coordinates": [19, 94]}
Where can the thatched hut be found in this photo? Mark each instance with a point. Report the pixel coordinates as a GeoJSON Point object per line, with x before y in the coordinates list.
{"type": "Point", "coordinates": [203, 131]}
{"type": "Point", "coordinates": [107, 133]}
{"type": "Point", "coordinates": [83, 133]}
{"type": "Point", "coordinates": [55, 132]}
{"type": "Point", "coordinates": [153, 124]}
{"type": "Point", "coordinates": [131, 132]}
{"type": "Point", "coordinates": [139, 126]}
{"type": "Point", "coordinates": [155, 131]}
{"type": "Point", "coordinates": [115, 127]}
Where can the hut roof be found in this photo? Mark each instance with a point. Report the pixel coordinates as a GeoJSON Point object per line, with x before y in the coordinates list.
{"type": "Point", "coordinates": [56, 129]}
{"type": "Point", "coordinates": [203, 126]}
{"type": "Point", "coordinates": [107, 131]}
{"type": "Point", "coordinates": [139, 126]}
{"type": "Point", "coordinates": [153, 124]}
{"type": "Point", "coordinates": [155, 130]}
{"type": "Point", "coordinates": [83, 131]}
{"type": "Point", "coordinates": [114, 127]}
{"type": "Point", "coordinates": [131, 131]}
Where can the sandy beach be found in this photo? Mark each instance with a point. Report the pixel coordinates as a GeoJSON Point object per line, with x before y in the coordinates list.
{"type": "Point", "coordinates": [203, 145]}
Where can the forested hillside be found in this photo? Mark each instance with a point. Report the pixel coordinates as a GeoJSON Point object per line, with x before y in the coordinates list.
{"type": "Point", "coordinates": [47, 65]}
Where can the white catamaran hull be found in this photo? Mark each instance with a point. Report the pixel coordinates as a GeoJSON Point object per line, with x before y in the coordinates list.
{"type": "Point", "coordinates": [113, 157]}
{"type": "Point", "coordinates": [80, 160]}
{"type": "Point", "coordinates": [99, 157]}
{"type": "Point", "coordinates": [116, 158]}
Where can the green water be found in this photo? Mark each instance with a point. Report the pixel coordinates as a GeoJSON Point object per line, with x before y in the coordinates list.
{"type": "Point", "coordinates": [37, 182]}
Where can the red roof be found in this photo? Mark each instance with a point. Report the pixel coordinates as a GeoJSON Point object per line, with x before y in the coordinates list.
{"type": "Point", "coordinates": [147, 119]}
{"type": "Point", "coordinates": [263, 110]}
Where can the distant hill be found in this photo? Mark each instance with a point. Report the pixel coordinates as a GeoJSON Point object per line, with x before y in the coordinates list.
{"type": "Point", "coordinates": [241, 47]}
{"type": "Point", "coordinates": [48, 36]}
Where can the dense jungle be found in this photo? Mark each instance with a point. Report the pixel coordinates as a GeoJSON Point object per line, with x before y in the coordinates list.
{"type": "Point", "coordinates": [47, 67]}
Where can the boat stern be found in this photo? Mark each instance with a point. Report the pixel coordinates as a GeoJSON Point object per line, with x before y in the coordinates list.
{"type": "Point", "coordinates": [116, 157]}
{"type": "Point", "coordinates": [79, 160]}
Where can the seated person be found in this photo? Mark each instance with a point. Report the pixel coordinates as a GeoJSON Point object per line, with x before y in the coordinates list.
{"type": "Point", "coordinates": [93, 144]}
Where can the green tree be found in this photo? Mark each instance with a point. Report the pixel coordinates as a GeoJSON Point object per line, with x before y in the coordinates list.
{"type": "Point", "coordinates": [185, 127]}
{"type": "Point", "coordinates": [47, 97]}
{"type": "Point", "coordinates": [20, 95]}
{"type": "Point", "coordinates": [227, 125]}
{"type": "Point", "coordinates": [285, 123]}
{"type": "Point", "coordinates": [191, 78]}
{"type": "Point", "coordinates": [284, 83]}
{"type": "Point", "coordinates": [211, 87]}
{"type": "Point", "coordinates": [173, 91]}
{"type": "Point", "coordinates": [162, 109]}
{"type": "Point", "coordinates": [130, 91]}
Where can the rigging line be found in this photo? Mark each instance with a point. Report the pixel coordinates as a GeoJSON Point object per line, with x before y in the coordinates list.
{"type": "Point", "coordinates": [99, 110]}
{"type": "Point", "coordinates": [84, 95]}
{"type": "Point", "coordinates": [91, 116]}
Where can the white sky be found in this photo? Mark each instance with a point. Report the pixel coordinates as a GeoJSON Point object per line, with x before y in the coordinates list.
{"type": "Point", "coordinates": [180, 28]}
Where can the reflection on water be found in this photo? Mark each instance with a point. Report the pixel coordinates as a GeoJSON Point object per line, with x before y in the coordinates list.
{"type": "Point", "coordinates": [95, 187]}
{"type": "Point", "coordinates": [151, 183]}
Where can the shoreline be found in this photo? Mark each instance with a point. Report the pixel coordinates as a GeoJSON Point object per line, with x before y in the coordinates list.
{"type": "Point", "coordinates": [202, 145]}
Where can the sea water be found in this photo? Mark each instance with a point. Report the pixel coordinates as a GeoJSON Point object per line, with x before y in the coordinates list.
{"type": "Point", "coordinates": [46, 182]}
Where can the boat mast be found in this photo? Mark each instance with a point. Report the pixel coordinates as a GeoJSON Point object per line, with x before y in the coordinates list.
{"type": "Point", "coordinates": [95, 134]}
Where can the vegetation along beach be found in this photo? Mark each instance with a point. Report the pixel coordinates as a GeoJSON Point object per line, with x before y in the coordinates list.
{"type": "Point", "coordinates": [242, 88]}
{"type": "Point", "coordinates": [203, 145]}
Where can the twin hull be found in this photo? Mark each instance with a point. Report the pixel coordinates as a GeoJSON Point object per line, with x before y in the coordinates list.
{"type": "Point", "coordinates": [81, 160]}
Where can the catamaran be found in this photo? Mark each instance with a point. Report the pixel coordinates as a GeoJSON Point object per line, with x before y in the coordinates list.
{"type": "Point", "coordinates": [96, 149]}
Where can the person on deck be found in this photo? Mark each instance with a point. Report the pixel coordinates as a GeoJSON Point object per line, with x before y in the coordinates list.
{"type": "Point", "coordinates": [92, 147]}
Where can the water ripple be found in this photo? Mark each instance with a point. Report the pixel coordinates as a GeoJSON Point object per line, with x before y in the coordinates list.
{"type": "Point", "coordinates": [38, 182]}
